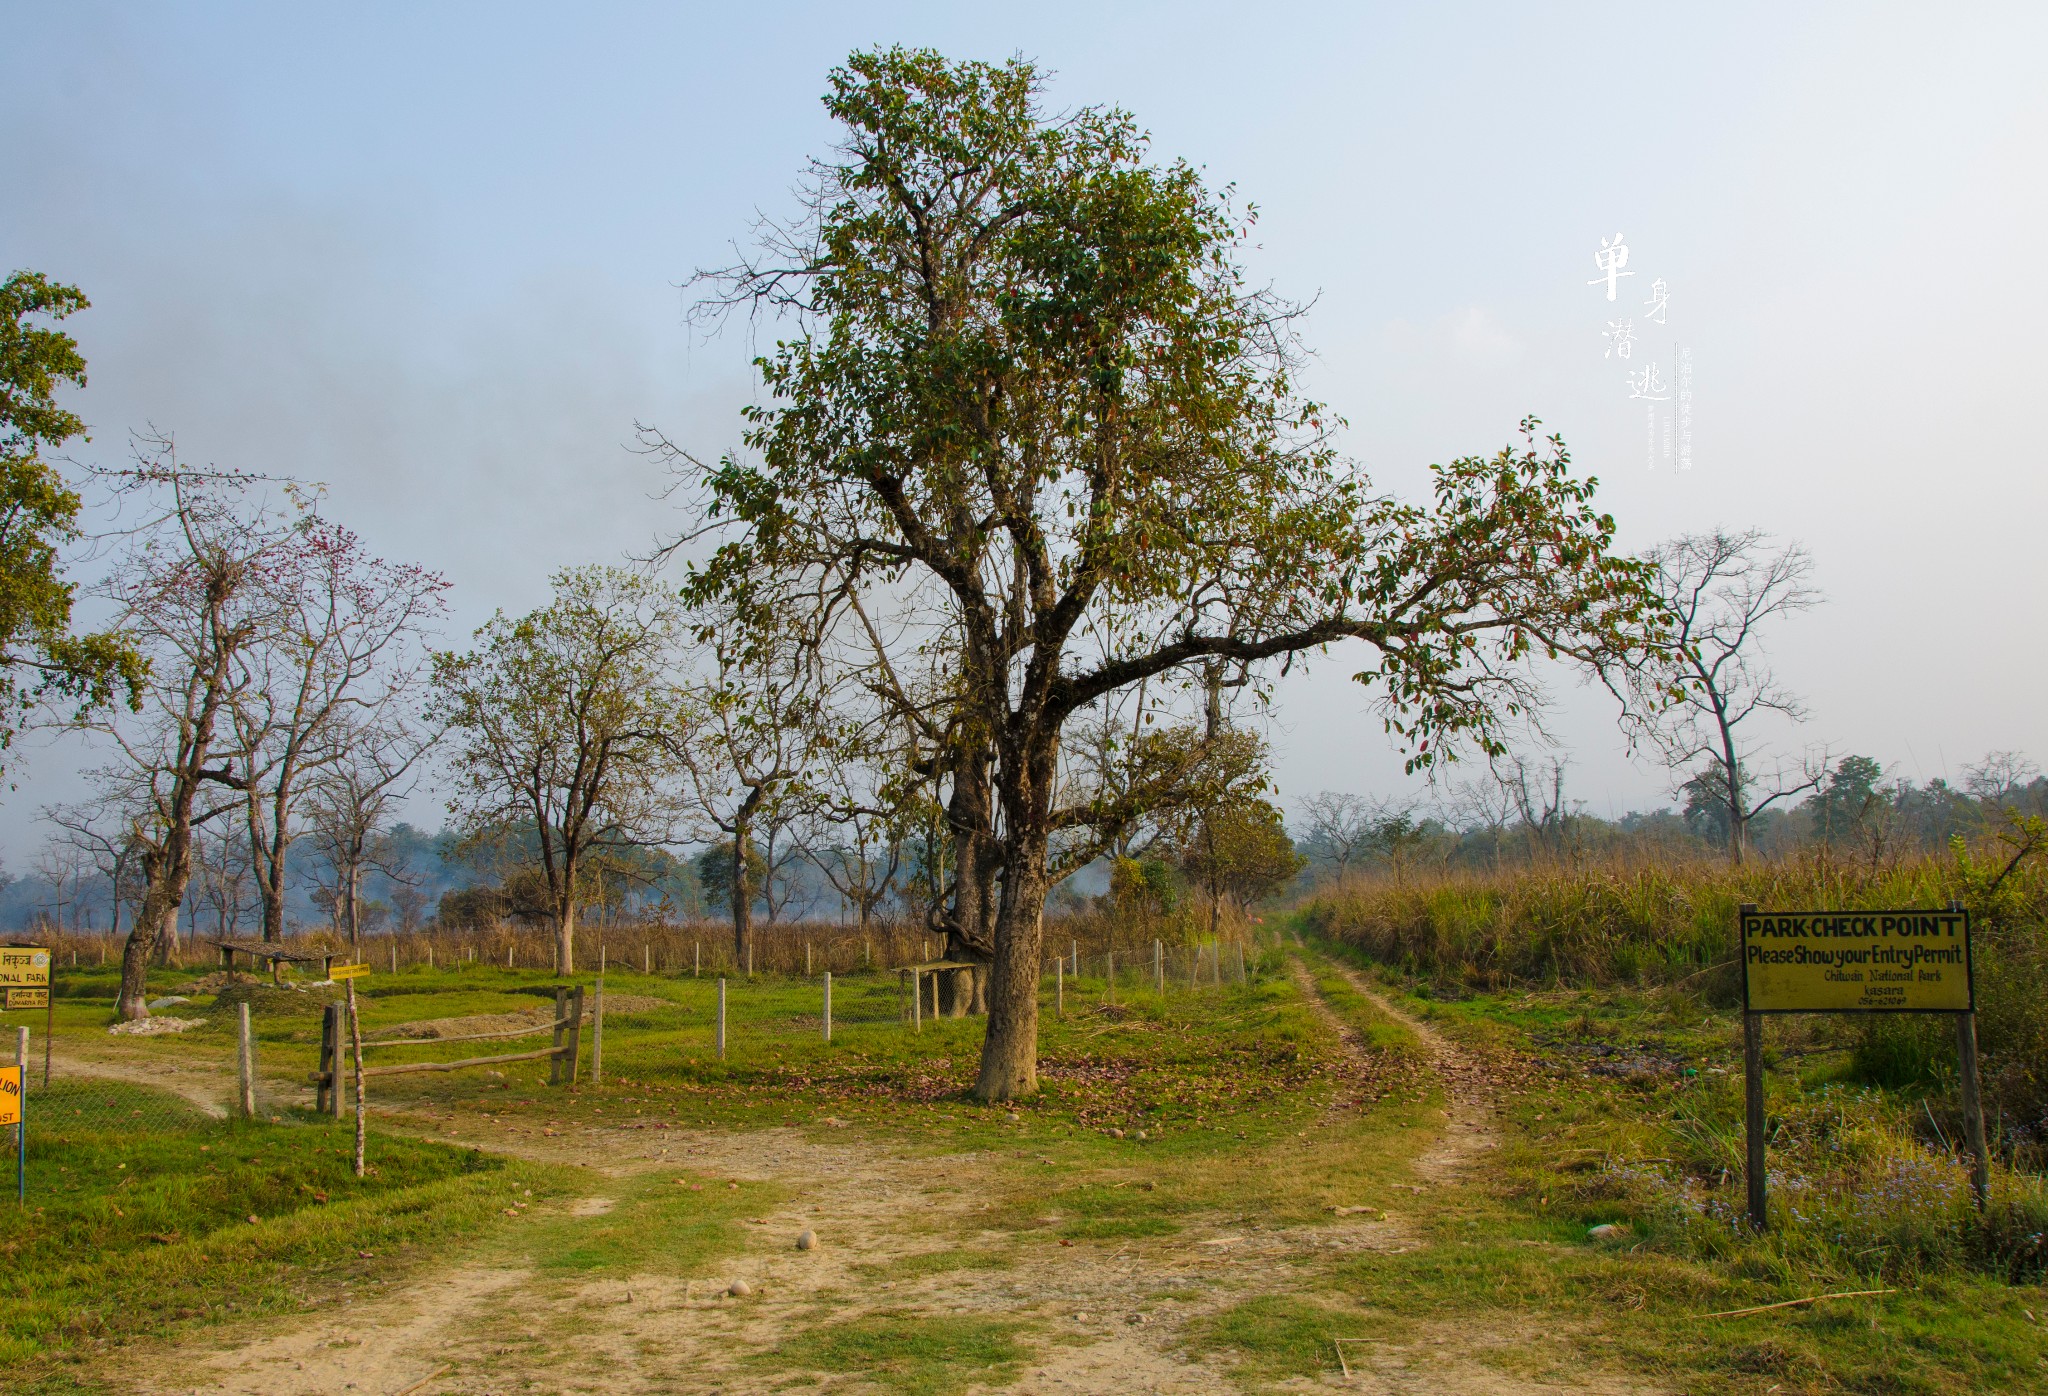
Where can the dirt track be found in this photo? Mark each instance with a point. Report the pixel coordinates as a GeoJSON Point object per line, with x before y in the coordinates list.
{"type": "Point", "coordinates": [1103, 1316]}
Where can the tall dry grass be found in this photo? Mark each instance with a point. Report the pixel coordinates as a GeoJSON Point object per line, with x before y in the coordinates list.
{"type": "Point", "coordinates": [1672, 923]}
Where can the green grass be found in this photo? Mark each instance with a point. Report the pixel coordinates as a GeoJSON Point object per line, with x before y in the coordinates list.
{"type": "Point", "coordinates": [912, 1354]}
{"type": "Point", "coordinates": [661, 1225]}
{"type": "Point", "coordinates": [1624, 1108]}
{"type": "Point", "coordinates": [135, 1236]}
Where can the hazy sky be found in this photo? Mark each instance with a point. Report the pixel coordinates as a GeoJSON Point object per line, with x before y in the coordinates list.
{"type": "Point", "coordinates": [432, 255]}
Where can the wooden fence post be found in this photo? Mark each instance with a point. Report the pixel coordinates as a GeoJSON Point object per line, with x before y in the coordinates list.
{"type": "Point", "coordinates": [828, 1005]}
{"type": "Point", "coordinates": [721, 1019]}
{"type": "Point", "coordinates": [696, 958]}
{"type": "Point", "coordinates": [1753, 1102]}
{"type": "Point", "coordinates": [555, 1061]}
{"type": "Point", "coordinates": [330, 1060]}
{"type": "Point", "coordinates": [575, 1030]}
{"type": "Point", "coordinates": [245, 1061]}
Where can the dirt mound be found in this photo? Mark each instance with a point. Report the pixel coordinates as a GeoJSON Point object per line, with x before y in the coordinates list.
{"type": "Point", "coordinates": [267, 1000]}
{"type": "Point", "coordinates": [631, 1003]}
{"type": "Point", "coordinates": [434, 1029]}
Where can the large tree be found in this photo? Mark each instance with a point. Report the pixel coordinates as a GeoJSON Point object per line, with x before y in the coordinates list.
{"type": "Point", "coordinates": [1030, 415]}
{"type": "Point", "coordinates": [194, 594]}
{"type": "Point", "coordinates": [40, 657]}
{"type": "Point", "coordinates": [563, 723]}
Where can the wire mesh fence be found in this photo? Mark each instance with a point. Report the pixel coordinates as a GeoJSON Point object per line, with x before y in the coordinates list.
{"type": "Point", "coordinates": [225, 1046]}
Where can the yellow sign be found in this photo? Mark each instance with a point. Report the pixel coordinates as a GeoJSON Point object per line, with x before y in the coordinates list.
{"type": "Point", "coordinates": [348, 971]}
{"type": "Point", "coordinates": [1856, 962]}
{"type": "Point", "coordinates": [28, 998]}
{"type": "Point", "coordinates": [10, 1095]}
{"type": "Point", "coordinates": [24, 965]}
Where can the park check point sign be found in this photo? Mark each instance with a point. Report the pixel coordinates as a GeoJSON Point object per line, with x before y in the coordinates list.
{"type": "Point", "coordinates": [1857, 962]}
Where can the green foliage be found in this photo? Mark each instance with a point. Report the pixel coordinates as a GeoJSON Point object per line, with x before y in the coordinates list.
{"type": "Point", "coordinates": [561, 720]}
{"type": "Point", "coordinates": [713, 867]}
{"type": "Point", "coordinates": [1144, 887]}
{"type": "Point", "coordinates": [1241, 850]}
{"type": "Point", "coordinates": [39, 656]}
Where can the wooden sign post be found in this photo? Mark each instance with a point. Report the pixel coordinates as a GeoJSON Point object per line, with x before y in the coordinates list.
{"type": "Point", "coordinates": [1857, 962]}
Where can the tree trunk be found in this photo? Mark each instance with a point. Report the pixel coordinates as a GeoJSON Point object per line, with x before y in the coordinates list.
{"type": "Point", "coordinates": [565, 937]}
{"type": "Point", "coordinates": [1009, 1054]}
{"type": "Point", "coordinates": [742, 896]}
{"type": "Point", "coordinates": [165, 877]}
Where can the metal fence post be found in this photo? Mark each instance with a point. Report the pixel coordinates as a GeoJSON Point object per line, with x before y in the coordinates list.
{"type": "Point", "coordinates": [1109, 978]}
{"type": "Point", "coordinates": [1158, 967]}
{"type": "Point", "coordinates": [721, 1018]}
{"type": "Point", "coordinates": [1059, 986]}
{"type": "Point", "coordinates": [828, 1005]}
{"type": "Point", "coordinates": [597, 1032]}
{"type": "Point", "coordinates": [916, 999]}
{"type": "Point", "coordinates": [21, 1123]}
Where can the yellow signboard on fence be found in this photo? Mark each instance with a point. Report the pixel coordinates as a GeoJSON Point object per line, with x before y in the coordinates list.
{"type": "Point", "coordinates": [10, 1095]}
{"type": "Point", "coordinates": [24, 966]}
{"type": "Point", "coordinates": [348, 972]}
{"type": "Point", "coordinates": [1856, 962]}
{"type": "Point", "coordinates": [28, 998]}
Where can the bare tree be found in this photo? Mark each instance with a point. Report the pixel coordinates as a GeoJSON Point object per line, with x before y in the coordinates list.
{"type": "Point", "coordinates": [192, 594]}
{"type": "Point", "coordinates": [1484, 803]}
{"type": "Point", "coordinates": [356, 789]}
{"type": "Point", "coordinates": [348, 646]}
{"type": "Point", "coordinates": [1341, 823]}
{"type": "Point", "coordinates": [1999, 775]}
{"type": "Point", "coordinates": [104, 837]}
{"type": "Point", "coordinates": [64, 869]}
{"type": "Point", "coordinates": [742, 752]}
{"type": "Point", "coordinates": [1724, 589]}
{"type": "Point", "coordinates": [221, 880]}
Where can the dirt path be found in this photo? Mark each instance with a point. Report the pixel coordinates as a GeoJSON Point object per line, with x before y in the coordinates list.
{"type": "Point", "coordinates": [1468, 1080]}
{"type": "Point", "coordinates": [206, 1085]}
{"type": "Point", "coordinates": [1102, 1316]}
